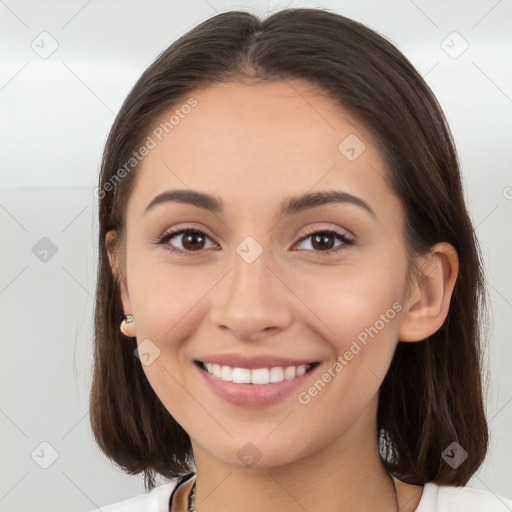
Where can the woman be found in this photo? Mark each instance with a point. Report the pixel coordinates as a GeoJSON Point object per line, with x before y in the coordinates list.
{"type": "Point", "coordinates": [284, 234]}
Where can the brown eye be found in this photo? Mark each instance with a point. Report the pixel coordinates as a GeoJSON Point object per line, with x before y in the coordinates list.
{"type": "Point", "coordinates": [194, 241]}
{"type": "Point", "coordinates": [191, 240]}
{"type": "Point", "coordinates": [323, 241]}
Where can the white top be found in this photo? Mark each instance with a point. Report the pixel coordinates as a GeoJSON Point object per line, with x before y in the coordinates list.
{"type": "Point", "coordinates": [434, 499]}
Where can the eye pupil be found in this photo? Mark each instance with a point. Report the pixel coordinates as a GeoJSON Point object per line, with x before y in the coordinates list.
{"type": "Point", "coordinates": [188, 242]}
{"type": "Point", "coordinates": [323, 241]}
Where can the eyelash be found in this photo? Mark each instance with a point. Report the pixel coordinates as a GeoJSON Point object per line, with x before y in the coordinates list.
{"type": "Point", "coordinates": [340, 236]}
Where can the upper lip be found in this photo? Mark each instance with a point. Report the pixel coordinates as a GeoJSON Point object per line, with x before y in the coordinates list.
{"type": "Point", "coordinates": [252, 361]}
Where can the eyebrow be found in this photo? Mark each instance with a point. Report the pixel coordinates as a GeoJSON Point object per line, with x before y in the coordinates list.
{"type": "Point", "coordinates": [291, 205]}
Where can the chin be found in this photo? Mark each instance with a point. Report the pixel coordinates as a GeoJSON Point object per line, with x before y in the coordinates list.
{"type": "Point", "coordinates": [259, 453]}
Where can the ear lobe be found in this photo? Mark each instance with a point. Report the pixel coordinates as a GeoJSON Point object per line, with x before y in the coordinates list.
{"type": "Point", "coordinates": [112, 251]}
{"type": "Point", "coordinates": [427, 304]}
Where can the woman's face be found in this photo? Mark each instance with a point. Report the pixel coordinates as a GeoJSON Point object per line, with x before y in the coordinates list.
{"type": "Point", "coordinates": [256, 280]}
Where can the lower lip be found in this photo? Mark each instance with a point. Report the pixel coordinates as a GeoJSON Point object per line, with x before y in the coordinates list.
{"type": "Point", "coordinates": [254, 395]}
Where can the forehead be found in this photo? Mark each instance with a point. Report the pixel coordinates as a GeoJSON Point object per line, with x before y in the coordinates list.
{"type": "Point", "coordinates": [273, 116]}
{"type": "Point", "coordinates": [251, 142]}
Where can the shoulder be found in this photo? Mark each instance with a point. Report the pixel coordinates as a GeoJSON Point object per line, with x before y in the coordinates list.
{"type": "Point", "coordinates": [442, 498]}
{"type": "Point", "coordinates": [157, 500]}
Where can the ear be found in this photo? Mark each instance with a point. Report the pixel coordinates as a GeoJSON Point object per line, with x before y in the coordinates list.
{"type": "Point", "coordinates": [112, 251]}
{"type": "Point", "coordinates": [427, 303]}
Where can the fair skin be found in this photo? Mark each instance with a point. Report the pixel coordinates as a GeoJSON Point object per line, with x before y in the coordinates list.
{"type": "Point", "coordinates": [252, 146]}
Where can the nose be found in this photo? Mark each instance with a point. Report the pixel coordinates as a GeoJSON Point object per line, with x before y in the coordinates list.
{"type": "Point", "coordinates": [253, 300]}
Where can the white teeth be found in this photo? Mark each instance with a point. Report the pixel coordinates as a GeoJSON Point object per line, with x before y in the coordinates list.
{"type": "Point", "coordinates": [276, 374]}
{"type": "Point", "coordinates": [227, 373]}
{"type": "Point", "coordinates": [260, 376]}
{"type": "Point", "coordinates": [301, 370]}
{"type": "Point", "coordinates": [241, 375]}
{"type": "Point", "coordinates": [256, 376]}
{"type": "Point", "coordinates": [217, 369]}
{"type": "Point", "coordinates": [289, 373]}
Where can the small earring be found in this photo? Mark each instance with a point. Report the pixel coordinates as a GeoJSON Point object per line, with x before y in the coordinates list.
{"type": "Point", "coordinates": [127, 319]}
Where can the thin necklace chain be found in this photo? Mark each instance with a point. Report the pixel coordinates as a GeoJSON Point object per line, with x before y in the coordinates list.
{"type": "Point", "coordinates": [192, 494]}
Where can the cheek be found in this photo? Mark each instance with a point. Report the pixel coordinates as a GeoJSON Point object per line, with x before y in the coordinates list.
{"type": "Point", "coordinates": [357, 315]}
{"type": "Point", "coordinates": [349, 301]}
{"type": "Point", "coordinates": [167, 299]}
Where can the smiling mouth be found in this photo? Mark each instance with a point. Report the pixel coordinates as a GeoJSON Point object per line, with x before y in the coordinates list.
{"type": "Point", "coordinates": [258, 376]}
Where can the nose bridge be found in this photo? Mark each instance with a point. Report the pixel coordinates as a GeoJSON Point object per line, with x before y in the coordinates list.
{"type": "Point", "coordinates": [251, 299]}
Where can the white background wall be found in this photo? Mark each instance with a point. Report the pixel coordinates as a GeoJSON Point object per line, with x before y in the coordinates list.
{"type": "Point", "coordinates": [55, 116]}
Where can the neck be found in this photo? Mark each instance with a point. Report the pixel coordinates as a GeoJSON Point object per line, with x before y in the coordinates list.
{"type": "Point", "coordinates": [345, 474]}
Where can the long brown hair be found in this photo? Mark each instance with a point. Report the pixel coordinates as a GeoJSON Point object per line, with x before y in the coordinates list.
{"type": "Point", "coordinates": [432, 394]}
